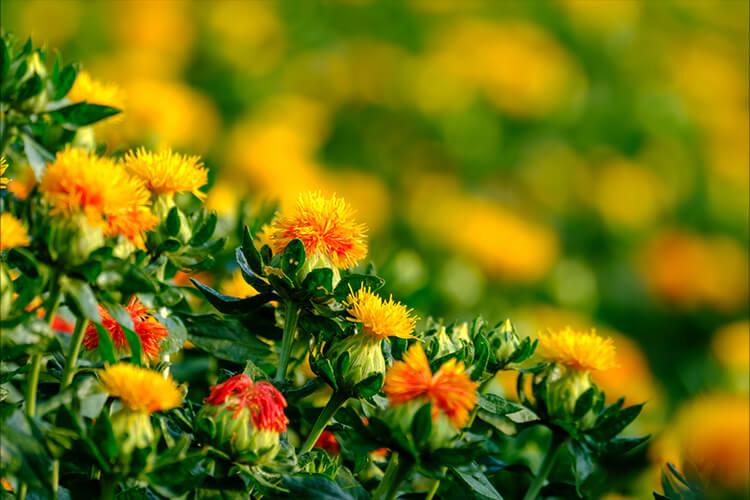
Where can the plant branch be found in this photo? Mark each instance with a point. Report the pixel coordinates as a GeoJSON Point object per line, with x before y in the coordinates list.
{"type": "Point", "coordinates": [337, 401]}
{"type": "Point", "coordinates": [290, 326]}
{"type": "Point", "coordinates": [555, 445]}
{"type": "Point", "coordinates": [74, 349]}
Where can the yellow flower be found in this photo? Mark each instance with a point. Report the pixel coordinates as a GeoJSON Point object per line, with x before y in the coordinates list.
{"type": "Point", "coordinates": [380, 318]}
{"type": "Point", "coordinates": [92, 91]}
{"type": "Point", "coordinates": [140, 389]}
{"type": "Point", "coordinates": [12, 232]}
{"type": "Point", "coordinates": [731, 346]}
{"type": "Point", "coordinates": [3, 167]}
{"type": "Point", "coordinates": [78, 181]}
{"type": "Point", "coordinates": [167, 172]}
{"type": "Point", "coordinates": [580, 351]}
{"type": "Point", "coordinates": [327, 228]}
{"type": "Point", "coordinates": [450, 390]}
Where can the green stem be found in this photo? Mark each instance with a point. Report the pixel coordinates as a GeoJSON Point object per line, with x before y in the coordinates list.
{"type": "Point", "coordinates": [31, 384]}
{"type": "Point", "coordinates": [397, 471]}
{"type": "Point", "coordinates": [109, 485]}
{"type": "Point", "coordinates": [549, 461]}
{"type": "Point", "coordinates": [21, 493]}
{"type": "Point", "coordinates": [433, 490]}
{"type": "Point", "coordinates": [74, 349]}
{"type": "Point", "coordinates": [290, 326]}
{"type": "Point", "coordinates": [337, 401]}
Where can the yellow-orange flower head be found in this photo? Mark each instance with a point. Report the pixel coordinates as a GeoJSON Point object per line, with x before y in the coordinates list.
{"type": "Point", "coordinates": [3, 167]}
{"type": "Point", "coordinates": [380, 318]}
{"type": "Point", "coordinates": [167, 172]}
{"type": "Point", "coordinates": [326, 226]}
{"type": "Point", "coordinates": [12, 232]}
{"type": "Point", "coordinates": [579, 351]}
{"type": "Point", "coordinates": [140, 389]}
{"type": "Point", "coordinates": [92, 91]}
{"type": "Point", "coordinates": [450, 390]}
{"type": "Point", "coordinates": [78, 181]}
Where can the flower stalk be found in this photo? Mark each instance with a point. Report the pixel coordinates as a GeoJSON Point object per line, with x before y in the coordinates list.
{"type": "Point", "coordinates": [549, 461]}
{"type": "Point", "coordinates": [73, 351]}
{"type": "Point", "coordinates": [337, 401]}
{"type": "Point", "coordinates": [290, 327]}
{"type": "Point", "coordinates": [396, 472]}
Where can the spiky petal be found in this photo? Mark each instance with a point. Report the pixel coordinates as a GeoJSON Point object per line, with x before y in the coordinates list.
{"type": "Point", "coordinates": [148, 329]}
{"type": "Point", "coordinates": [380, 318]}
{"type": "Point", "coordinates": [580, 351]}
{"type": "Point", "coordinates": [450, 390]}
{"type": "Point", "coordinates": [140, 389]}
{"type": "Point", "coordinates": [265, 402]}
{"type": "Point", "coordinates": [326, 226]}
{"type": "Point", "coordinates": [166, 172]}
{"type": "Point", "coordinates": [12, 232]}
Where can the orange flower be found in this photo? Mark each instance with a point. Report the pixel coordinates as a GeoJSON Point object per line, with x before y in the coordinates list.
{"type": "Point", "coordinates": [325, 226]}
{"type": "Point", "coordinates": [148, 329]}
{"type": "Point", "coordinates": [450, 389]}
{"type": "Point", "coordinates": [132, 224]}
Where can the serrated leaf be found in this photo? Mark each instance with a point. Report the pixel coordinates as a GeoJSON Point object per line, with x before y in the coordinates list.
{"type": "Point", "coordinates": [66, 80]}
{"type": "Point", "coordinates": [477, 483]}
{"type": "Point", "coordinates": [319, 281]}
{"type": "Point", "coordinates": [173, 222]}
{"type": "Point", "coordinates": [251, 254]}
{"type": "Point", "coordinates": [610, 427]}
{"type": "Point", "coordinates": [81, 114]}
{"type": "Point", "coordinates": [30, 88]}
{"type": "Point", "coordinates": [584, 402]}
{"type": "Point", "coordinates": [497, 405]}
{"type": "Point", "coordinates": [369, 386]}
{"type": "Point", "coordinates": [233, 305]}
{"type": "Point", "coordinates": [354, 282]}
{"type": "Point", "coordinates": [206, 230]}
{"type": "Point", "coordinates": [249, 275]}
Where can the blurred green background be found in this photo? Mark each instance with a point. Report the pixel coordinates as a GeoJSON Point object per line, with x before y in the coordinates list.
{"type": "Point", "coordinates": [571, 162]}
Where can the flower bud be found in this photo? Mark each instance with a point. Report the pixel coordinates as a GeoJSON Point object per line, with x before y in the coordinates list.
{"type": "Point", "coordinates": [564, 387]}
{"type": "Point", "coordinates": [132, 429]}
{"type": "Point", "coordinates": [365, 359]}
{"type": "Point", "coordinates": [73, 239]}
{"type": "Point", "coordinates": [504, 341]}
{"type": "Point", "coordinates": [244, 419]}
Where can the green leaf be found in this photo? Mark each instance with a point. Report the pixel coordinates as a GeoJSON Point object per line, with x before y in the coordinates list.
{"type": "Point", "coordinates": [68, 77]}
{"type": "Point", "coordinates": [255, 373]}
{"type": "Point", "coordinates": [106, 348]}
{"type": "Point", "coordinates": [497, 405]}
{"type": "Point", "coordinates": [582, 464]}
{"type": "Point", "coordinates": [177, 334]}
{"type": "Point", "coordinates": [305, 487]}
{"type": "Point", "coordinates": [319, 281]}
{"type": "Point", "coordinates": [321, 327]}
{"type": "Point", "coordinates": [30, 88]}
{"type": "Point", "coordinates": [250, 275]}
{"type": "Point", "coordinates": [82, 296]}
{"type": "Point", "coordinates": [4, 59]}
{"type": "Point", "coordinates": [227, 339]}
{"type": "Point", "coordinates": [251, 253]}
{"type": "Point", "coordinates": [354, 282]}
{"type": "Point", "coordinates": [584, 402]}
{"type": "Point", "coordinates": [233, 305]}
{"type": "Point", "coordinates": [81, 114]}
{"type": "Point", "coordinates": [293, 258]}
{"type": "Point", "coordinates": [324, 368]}
{"type": "Point", "coordinates": [170, 245]}
{"type": "Point", "coordinates": [136, 350]}
{"type": "Point", "coordinates": [342, 365]}
{"type": "Point", "coordinates": [104, 437]}
{"type": "Point", "coordinates": [173, 222]}
{"type": "Point", "coordinates": [369, 386]}
{"type": "Point", "coordinates": [621, 445]}
{"type": "Point", "coordinates": [24, 261]}
{"type": "Point", "coordinates": [206, 231]}
{"type": "Point", "coordinates": [476, 482]}
{"type": "Point", "coordinates": [610, 427]}
{"type": "Point", "coordinates": [38, 156]}
{"type": "Point", "coordinates": [421, 425]}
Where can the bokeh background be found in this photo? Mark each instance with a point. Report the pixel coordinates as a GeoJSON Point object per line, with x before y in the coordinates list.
{"type": "Point", "coordinates": [560, 162]}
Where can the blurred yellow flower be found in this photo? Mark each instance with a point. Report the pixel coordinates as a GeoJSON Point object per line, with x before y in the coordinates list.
{"type": "Point", "coordinates": [631, 377]}
{"type": "Point", "coordinates": [581, 351]}
{"type": "Point", "coordinates": [522, 69]}
{"type": "Point", "coordinates": [236, 286]}
{"type": "Point", "coordinates": [166, 173]}
{"type": "Point", "coordinates": [140, 389]}
{"type": "Point", "coordinates": [12, 232]}
{"type": "Point", "coordinates": [731, 346]}
{"type": "Point", "coordinates": [504, 244]}
{"type": "Point", "coordinates": [628, 195]}
{"type": "Point", "coordinates": [710, 436]}
{"type": "Point", "coordinates": [690, 270]}
{"type": "Point", "coordinates": [93, 91]}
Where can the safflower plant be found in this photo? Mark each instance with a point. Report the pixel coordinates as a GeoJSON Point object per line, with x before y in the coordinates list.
{"type": "Point", "coordinates": [325, 387]}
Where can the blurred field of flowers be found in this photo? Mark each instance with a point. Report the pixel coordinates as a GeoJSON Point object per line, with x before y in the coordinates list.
{"type": "Point", "coordinates": [562, 162]}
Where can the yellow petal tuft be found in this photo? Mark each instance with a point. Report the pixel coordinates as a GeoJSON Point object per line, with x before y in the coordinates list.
{"type": "Point", "coordinates": [140, 389]}
{"type": "Point", "coordinates": [380, 318]}
{"type": "Point", "coordinates": [167, 172]}
{"type": "Point", "coordinates": [583, 351]}
{"type": "Point", "coordinates": [12, 233]}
